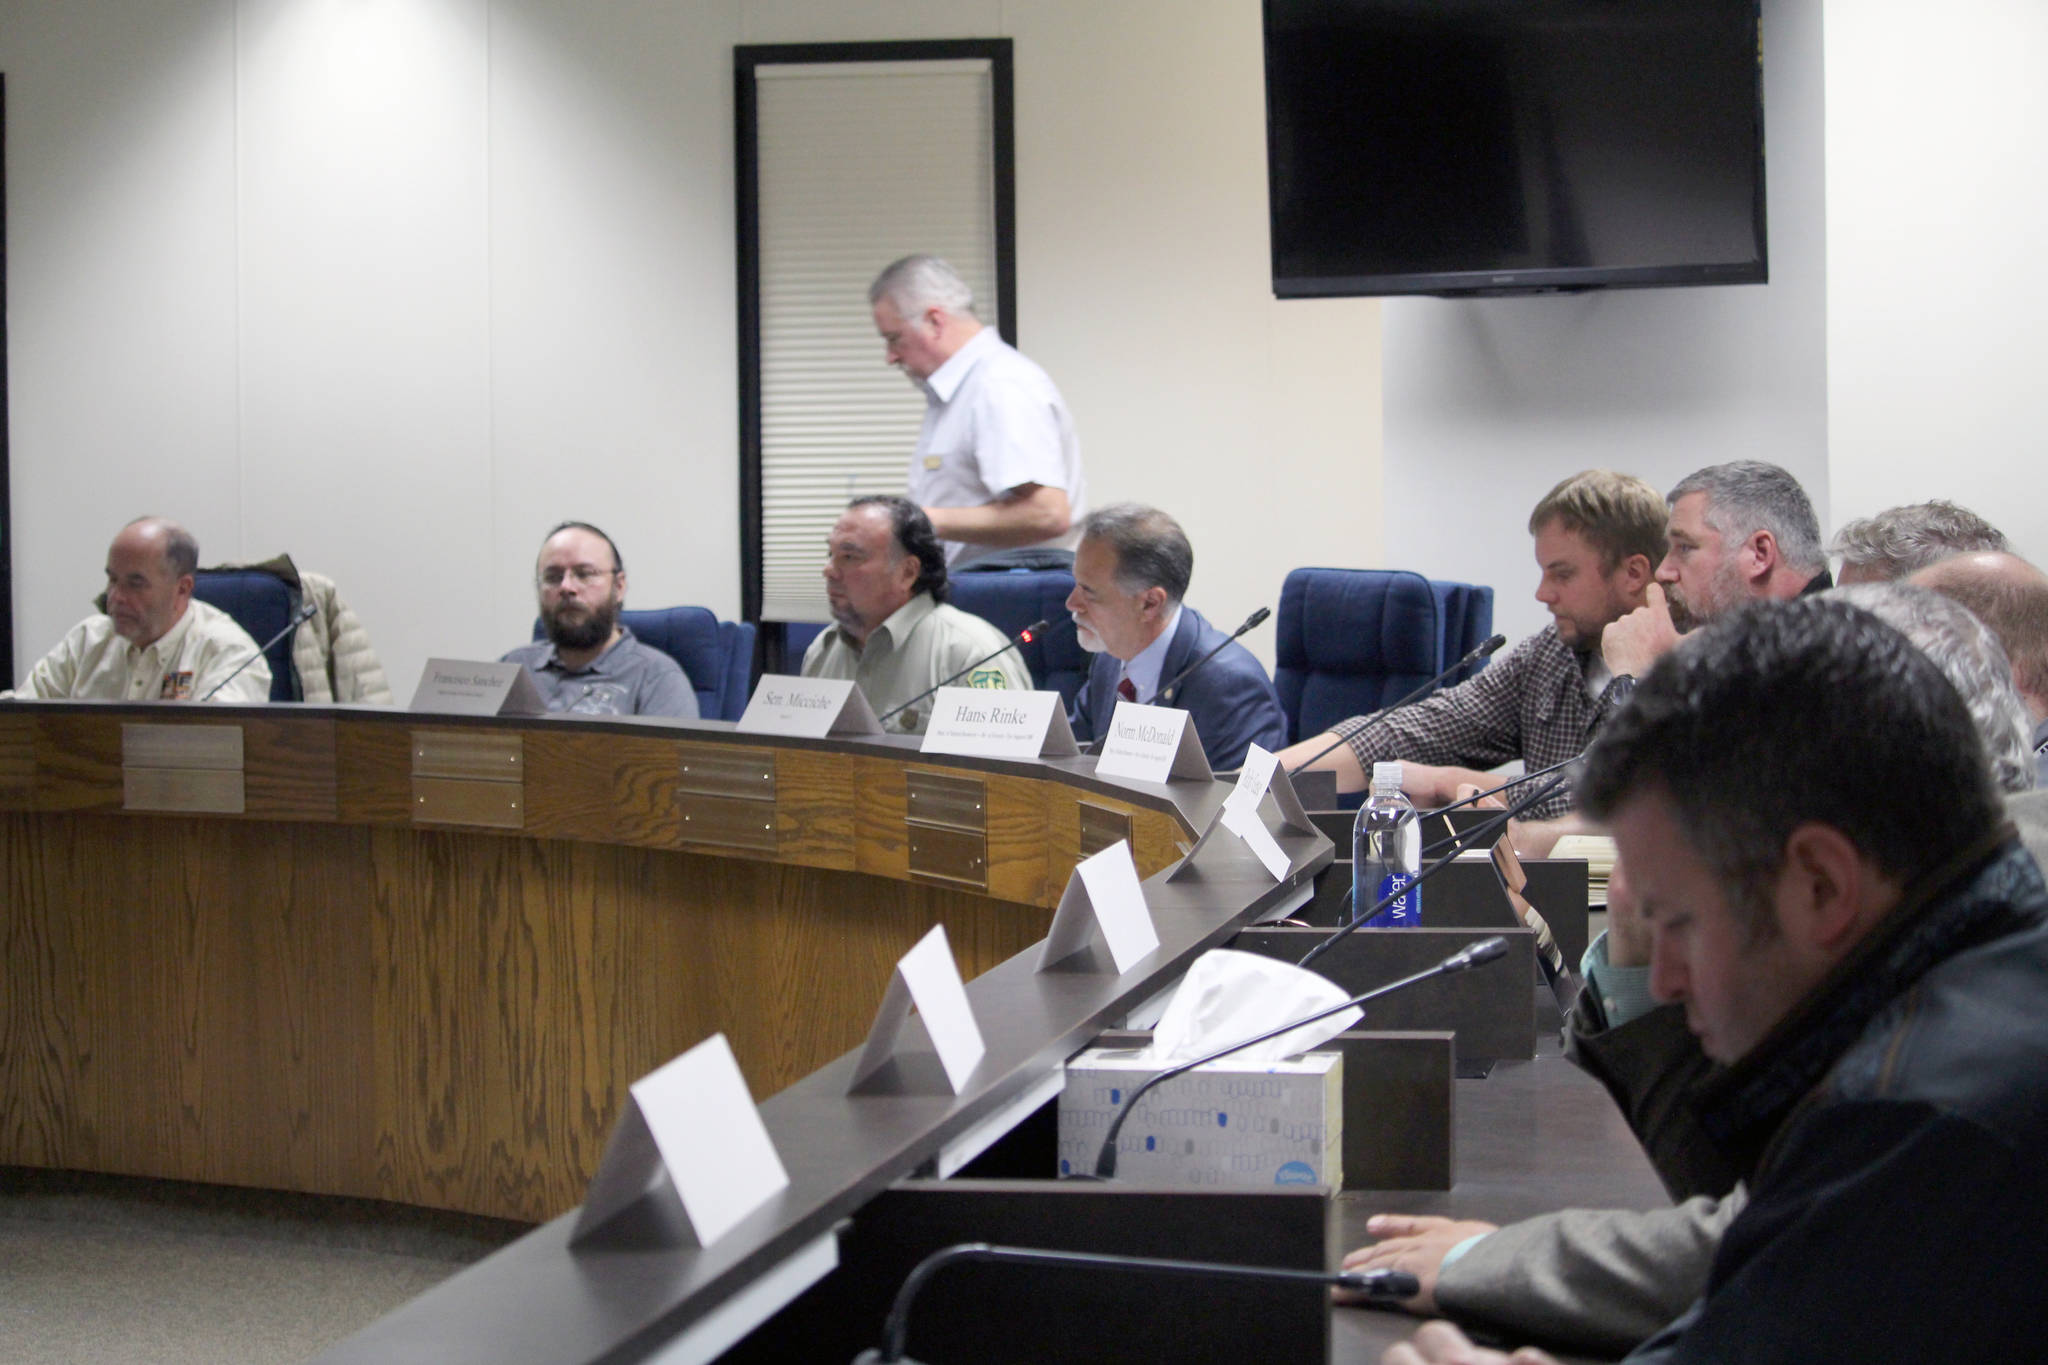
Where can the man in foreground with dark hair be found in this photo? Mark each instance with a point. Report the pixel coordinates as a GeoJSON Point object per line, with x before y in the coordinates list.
{"type": "Point", "coordinates": [893, 631]}
{"type": "Point", "coordinates": [1835, 898]}
{"type": "Point", "coordinates": [591, 665]}
{"type": "Point", "coordinates": [1130, 575]}
{"type": "Point", "coordinates": [153, 641]}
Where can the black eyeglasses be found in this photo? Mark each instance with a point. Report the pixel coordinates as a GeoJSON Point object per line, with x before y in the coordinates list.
{"type": "Point", "coordinates": [584, 575]}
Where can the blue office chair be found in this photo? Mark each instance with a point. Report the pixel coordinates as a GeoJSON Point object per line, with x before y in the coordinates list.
{"type": "Point", "coordinates": [261, 604]}
{"type": "Point", "coordinates": [1354, 640]}
{"type": "Point", "coordinates": [718, 656]}
{"type": "Point", "coordinates": [1011, 599]}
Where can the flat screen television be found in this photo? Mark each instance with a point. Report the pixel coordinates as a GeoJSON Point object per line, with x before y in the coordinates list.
{"type": "Point", "coordinates": [1511, 146]}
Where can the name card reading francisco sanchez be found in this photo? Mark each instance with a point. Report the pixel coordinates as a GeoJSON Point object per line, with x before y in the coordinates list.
{"type": "Point", "coordinates": [468, 687]}
{"type": "Point", "coordinates": [809, 708]}
{"type": "Point", "coordinates": [978, 723]}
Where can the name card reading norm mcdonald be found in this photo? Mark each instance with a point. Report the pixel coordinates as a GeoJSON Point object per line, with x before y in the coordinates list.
{"type": "Point", "coordinates": [1152, 744]}
{"type": "Point", "coordinates": [469, 687]}
{"type": "Point", "coordinates": [976, 722]}
{"type": "Point", "coordinates": [1104, 896]}
{"type": "Point", "coordinates": [693, 1118]}
{"type": "Point", "coordinates": [807, 708]}
{"type": "Point", "coordinates": [926, 977]}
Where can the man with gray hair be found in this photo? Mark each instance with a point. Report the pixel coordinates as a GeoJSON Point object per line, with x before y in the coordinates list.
{"type": "Point", "coordinates": [2011, 596]}
{"type": "Point", "coordinates": [1130, 575]}
{"type": "Point", "coordinates": [154, 641]}
{"type": "Point", "coordinates": [997, 466]}
{"type": "Point", "coordinates": [1902, 540]}
{"type": "Point", "coordinates": [1739, 532]}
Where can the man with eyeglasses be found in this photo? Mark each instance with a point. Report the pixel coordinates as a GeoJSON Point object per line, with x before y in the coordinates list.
{"type": "Point", "coordinates": [591, 665]}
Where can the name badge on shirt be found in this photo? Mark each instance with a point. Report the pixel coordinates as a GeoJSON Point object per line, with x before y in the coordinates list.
{"type": "Point", "coordinates": [176, 686]}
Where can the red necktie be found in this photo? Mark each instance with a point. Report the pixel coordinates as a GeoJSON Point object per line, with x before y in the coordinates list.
{"type": "Point", "coordinates": [1127, 690]}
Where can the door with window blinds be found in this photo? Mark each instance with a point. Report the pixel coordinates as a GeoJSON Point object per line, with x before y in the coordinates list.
{"type": "Point", "coordinates": [858, 163]}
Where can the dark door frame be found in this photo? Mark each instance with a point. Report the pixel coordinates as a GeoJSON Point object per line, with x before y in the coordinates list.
{"type": "Point", "coordinates": [997, 52]}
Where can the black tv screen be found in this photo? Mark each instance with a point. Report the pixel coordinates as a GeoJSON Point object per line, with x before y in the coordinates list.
{"type": "Point", "coordinates": [1499, 146]}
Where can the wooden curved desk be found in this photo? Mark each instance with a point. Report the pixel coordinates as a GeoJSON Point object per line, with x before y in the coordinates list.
{"type": "Point", "coordinates": [350, 951]}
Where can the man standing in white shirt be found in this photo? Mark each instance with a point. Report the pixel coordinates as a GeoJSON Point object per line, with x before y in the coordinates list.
{"type": "Point", "coordinates": [997, 466]}
{"type": "Point", "coordinates": [154, 642]}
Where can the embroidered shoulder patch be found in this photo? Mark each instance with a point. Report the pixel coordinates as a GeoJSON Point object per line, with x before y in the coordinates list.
{"type": "Point", "coordinates": [987, 677]}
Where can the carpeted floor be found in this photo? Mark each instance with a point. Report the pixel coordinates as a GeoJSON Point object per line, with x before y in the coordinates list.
{"type": "Point", "coordinates": [111, 1269]}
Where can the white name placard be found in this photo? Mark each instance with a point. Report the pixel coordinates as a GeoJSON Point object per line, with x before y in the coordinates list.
{"type": "Point", "coordinates": [809, 708]}
{"type": "Point", "coordinates": [1247, 824]}
{"type": "Point", "coordinates": [1152, 744]}
{"type": "Point", "coordinates": [978, 722]}
{"type": "Point", "coordinates": [469, 687]}
{"type": "Point", "coordinates": [693, 1118]}
{"type": "Point", "coordinates": [1105, 897]}
{"type": "Point", "coordinates": [928, 978]}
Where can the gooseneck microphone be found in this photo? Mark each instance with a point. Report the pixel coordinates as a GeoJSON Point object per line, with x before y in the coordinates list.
{"type": "Point", "coordinates": [1166, 694]}
{"type": "Point", "coordinates": [1022, 637]}
{"type": "Point", "coordinates": [1483, 650]}
{"type": "Point", "coordinates": [1476, 797]}
{"type": "Point", "coordinates": [1471, 955]}
{"type": "Point", "coordinates": [1377, 1284]}
{"type": "Point", "coordinates": [1480, 833]}
{"type": "Point", "coordinates": [299, 618]}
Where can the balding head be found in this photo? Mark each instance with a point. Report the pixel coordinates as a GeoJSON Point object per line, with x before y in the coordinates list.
{"type": "Point", "coordinates": [2011, 596]}
{"type": "Point", "coordinates": [149, 578]}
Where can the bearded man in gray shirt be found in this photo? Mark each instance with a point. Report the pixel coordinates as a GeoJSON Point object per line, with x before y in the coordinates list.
{"type": "Point", "coordinates": [591, 665]}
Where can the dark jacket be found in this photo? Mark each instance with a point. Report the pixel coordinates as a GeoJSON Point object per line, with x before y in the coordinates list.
{"type": "Point", "coordinates": [1230, 697]}
{"type": "Point", "coordinates": [1893, 1131]}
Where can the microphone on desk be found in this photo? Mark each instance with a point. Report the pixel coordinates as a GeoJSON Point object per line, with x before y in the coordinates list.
{"type": "Point", "coordinates": [1483, 650]}
{"type": "Point", "coordinates": [1376, 1284]}
{"type": "Point", "coordinates": [1022, 637]}
{"type": "Point", "coordinates": [1477, 834]}
{"type": "Point", "coordinates": [299, 618]}
{"type": "Point", "coordinates": [1471, 955]}
{"type": "Point", "coordinates": [1166, 694]}
{"type": "Point", "coordinates": [1490, 791]}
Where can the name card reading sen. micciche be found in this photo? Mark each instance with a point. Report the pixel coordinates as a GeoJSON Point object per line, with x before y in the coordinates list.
{"type": "Point", "coordinates": [1152, 744]}
{"type": "Point", "coordinates": [975, 722]}
{"type": "Point", "coordinates": [471, 687]}
{"type": "Point", "coordinates": [807, 708]}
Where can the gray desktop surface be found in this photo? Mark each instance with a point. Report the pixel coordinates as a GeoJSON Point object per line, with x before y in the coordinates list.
{"type": "Point", "coordinates": [539, 1301]}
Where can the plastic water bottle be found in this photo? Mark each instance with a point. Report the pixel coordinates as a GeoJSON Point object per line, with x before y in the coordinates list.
{"type": "Point", "coordinates": [1386, 853]}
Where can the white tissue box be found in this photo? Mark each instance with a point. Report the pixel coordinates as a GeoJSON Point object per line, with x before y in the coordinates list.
{"type": "Point", "coordinates": [1228, 1125]}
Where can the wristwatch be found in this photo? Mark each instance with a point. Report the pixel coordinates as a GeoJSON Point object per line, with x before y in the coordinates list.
{"type": "Point", "coordinates": [1621, 688]}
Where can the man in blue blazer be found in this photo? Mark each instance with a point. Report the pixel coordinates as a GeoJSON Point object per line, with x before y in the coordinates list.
{"type": "Point", "coordinates": [1130, 573]}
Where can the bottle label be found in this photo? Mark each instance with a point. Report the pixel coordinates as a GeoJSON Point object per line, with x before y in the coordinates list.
{"type": "Point", "coordinates": [1405, 912]}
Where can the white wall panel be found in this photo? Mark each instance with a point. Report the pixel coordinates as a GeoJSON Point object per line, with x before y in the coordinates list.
{"type": "Point", "coordinates": [1491, 401]}
{"type": "Point", "coordinates": [614, 396]}
{"type": "Point", "coordinates": [365, 245]}
{"type": "Point", "coordinates": [121, 271]}
{"type": "Point", "coordinates": [1937, 188]}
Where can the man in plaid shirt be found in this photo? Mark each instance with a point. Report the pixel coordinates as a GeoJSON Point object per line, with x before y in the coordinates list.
{"type": "Point", "coordinates": [1599, 537]}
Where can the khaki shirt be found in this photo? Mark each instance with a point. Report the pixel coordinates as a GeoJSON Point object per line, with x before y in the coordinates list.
{"type": "Point", "coordinates": [184, 664]}
{"type": "Point", "coordinates": [919, 646]}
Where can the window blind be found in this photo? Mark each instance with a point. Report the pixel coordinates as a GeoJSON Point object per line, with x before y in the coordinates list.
{"type": "Point", "coordinates": [858, 163]}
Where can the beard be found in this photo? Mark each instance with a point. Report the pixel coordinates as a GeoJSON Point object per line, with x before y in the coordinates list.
{"type": "Point", "coordinates": [572, 626]}
{"type": "Point", "coordinates": [1087, 638]}
{"type": "Point", "coordinates": [1721, 591]}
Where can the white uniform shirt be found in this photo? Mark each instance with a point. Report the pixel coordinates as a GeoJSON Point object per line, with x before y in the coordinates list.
{"type": "Point", "coordinates": [993, 421]}
{"type": "Point", "coordinates": [184, 664]}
